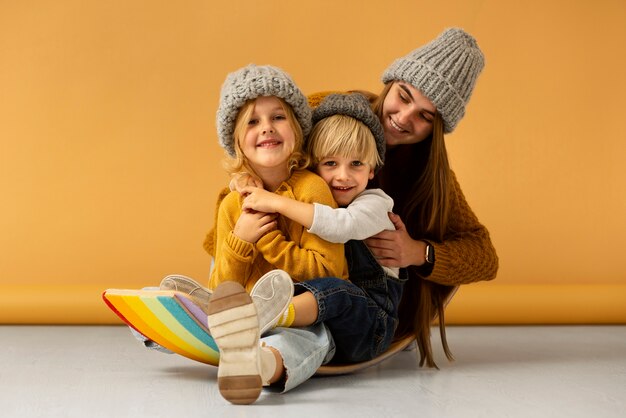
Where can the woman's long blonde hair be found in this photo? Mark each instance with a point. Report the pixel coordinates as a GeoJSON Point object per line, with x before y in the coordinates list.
{"type": "Point", "coordinates": [425, 215]}
{"type": "Point", "coordinates": [297, 160]}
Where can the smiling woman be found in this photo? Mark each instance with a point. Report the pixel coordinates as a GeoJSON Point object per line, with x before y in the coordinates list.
{"type": "Point", "coordinates": [408, 115]}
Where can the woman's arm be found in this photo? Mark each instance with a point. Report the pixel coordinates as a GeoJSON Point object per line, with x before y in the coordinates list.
{"type": "Point", "coordinates": [466, 254]}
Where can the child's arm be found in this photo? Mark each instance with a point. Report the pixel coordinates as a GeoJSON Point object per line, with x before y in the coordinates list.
{"type": "Point", "coordinates": [236, 235]}
{"type": "Point", "coordinates": [367, 215]}
{"type": "Point", "coordinates": [268, 202]}
{"type": "Point", "coordinates": [292, 248]}
{"type": "Point", "coordinates": [364, 217]}
{"type": "Point", "coordinates": [242, 179]}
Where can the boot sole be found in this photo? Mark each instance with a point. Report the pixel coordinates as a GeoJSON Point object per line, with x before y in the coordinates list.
{"type": "Point", "coordinates": [234, 325]}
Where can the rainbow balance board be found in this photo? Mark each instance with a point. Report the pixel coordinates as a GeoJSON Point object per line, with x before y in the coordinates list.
{"type": "Point", "coordinates": [168, 318]}
{"type": "Point", "coordinates": [173, 321]}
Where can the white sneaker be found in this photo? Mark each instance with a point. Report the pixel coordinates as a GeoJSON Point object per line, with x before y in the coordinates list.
{"type": "Point", "coordinates": [199, 294]}
{"type": "Point", "coordinates": [234, 326]}
{"type": "Point", "coordinates": [272, 295]}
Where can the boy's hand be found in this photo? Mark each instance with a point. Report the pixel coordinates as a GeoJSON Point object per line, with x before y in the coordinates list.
{"type": "Point", "coordinates": [243, 180]}
{"type": "Point", "coordinates": [252, 225]}
{"type": "Point", "coordinates": [259, 200]}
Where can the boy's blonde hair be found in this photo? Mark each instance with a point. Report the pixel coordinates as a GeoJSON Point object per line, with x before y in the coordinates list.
{"type": "Point", "coordinates": [344, 136]}
{"type": "Point", "coordinates": [297, 160]}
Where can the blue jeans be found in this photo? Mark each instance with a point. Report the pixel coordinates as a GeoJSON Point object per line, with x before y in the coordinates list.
{"type": "Point", "coordinates": [303, 351]}
{"type": "Point", "coordinates": [361, 314]}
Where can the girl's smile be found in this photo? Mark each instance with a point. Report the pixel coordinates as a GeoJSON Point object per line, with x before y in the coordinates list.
{"type": "Point", "coordinates": [269, 139]}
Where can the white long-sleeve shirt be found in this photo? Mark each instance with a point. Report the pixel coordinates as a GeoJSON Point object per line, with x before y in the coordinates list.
{"type": "Point", "coordinates": [365, 216]}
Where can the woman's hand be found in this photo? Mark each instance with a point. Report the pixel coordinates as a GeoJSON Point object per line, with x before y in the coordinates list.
{"type": "Point", "coordinates": [252, 225]}
{"type": "Point", "coordinates": [397, 248]}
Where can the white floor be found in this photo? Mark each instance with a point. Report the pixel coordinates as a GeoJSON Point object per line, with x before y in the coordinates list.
{"type": "Point", "coordinates": [99, 371]}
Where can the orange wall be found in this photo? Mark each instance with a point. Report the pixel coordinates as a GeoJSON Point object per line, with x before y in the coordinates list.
{"type": "Point", "coordinates": [109, 164]}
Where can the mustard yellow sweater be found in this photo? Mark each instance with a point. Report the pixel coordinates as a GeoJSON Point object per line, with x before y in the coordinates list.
{"type": "Point", "coordinates": [290, 247]}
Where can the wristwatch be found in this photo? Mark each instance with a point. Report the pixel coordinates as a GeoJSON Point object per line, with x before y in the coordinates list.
{"type": "Point", "coordinates": [430, 253]}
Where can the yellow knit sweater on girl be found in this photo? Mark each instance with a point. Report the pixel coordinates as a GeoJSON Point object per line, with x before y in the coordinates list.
{"type": "Point", "coordinates": [290, 247]}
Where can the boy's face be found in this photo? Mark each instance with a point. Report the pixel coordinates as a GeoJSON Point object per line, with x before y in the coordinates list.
{"type": "Point", "coordinates": [346, 177]}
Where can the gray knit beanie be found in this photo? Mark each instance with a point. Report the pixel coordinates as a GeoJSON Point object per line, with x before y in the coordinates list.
{"type": "Point", "coordinates": [249, 83]}
{"type": "Point", "coordinates": [356, 106]}
{"type": "Point", "coordinates": [444, 70]}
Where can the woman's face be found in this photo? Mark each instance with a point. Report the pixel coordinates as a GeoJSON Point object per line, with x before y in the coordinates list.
{"type": "Point", "coordinates": [407, 115]}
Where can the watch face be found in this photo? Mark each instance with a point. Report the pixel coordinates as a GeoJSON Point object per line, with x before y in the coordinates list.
{"type": "Point", "coordinates": [430, 254]}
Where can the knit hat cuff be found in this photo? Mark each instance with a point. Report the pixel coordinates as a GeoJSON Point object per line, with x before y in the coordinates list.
{"type": "Point", "coordinates": [432, 85]}
{"type": "Point", "coordinates": [356, 106]}
{"type": "Point", "coordinates": [444, 70]}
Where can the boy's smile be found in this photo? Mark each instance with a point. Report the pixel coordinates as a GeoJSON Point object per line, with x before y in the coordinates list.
{"type": "Point", "coordinates": [346, 177]}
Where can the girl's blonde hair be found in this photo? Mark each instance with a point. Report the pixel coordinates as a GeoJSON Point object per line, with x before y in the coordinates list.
{"type": "Point", "coordinates": [344, 136]}
{"type": "Point", "coordinates": [297, 160]}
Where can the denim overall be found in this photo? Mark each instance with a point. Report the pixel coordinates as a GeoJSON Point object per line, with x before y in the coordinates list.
{"type": "Point", "coordinates": [361, 314]}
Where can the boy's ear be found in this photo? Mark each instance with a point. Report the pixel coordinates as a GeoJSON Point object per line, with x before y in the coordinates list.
{"type": "Point", "coordinates": [371, 176]}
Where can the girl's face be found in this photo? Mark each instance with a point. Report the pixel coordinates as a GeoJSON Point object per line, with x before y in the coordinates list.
{"type": "Point", "coordinates": [407, 115]}
{"type": "Point", "coordinates": [346, 177]}
{"type": "Point", "coordinates": [269, 139]}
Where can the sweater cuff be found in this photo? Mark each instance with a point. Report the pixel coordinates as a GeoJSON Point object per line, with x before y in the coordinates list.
{"type": "Point", "coordinates": [439, 272]}
{"type": "Point", "coordinates": [239, 246]}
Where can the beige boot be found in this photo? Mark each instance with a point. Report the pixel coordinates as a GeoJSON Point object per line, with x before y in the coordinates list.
{"type": "Point", "coordinates": [234, 325]}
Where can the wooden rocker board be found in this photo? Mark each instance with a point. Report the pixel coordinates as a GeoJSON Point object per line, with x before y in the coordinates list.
{"type": "Point", "coordinates": [173, 321]}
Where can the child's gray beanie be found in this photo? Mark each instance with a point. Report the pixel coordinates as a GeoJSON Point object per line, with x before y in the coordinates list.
{"type": "Point", "coordinates": [444, 70]}
{"type": "Point", "coordinates": [356, 106]}
{"type": "Point", "coordinates": [249, 83]}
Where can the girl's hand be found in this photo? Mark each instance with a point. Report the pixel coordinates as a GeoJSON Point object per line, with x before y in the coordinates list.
{"type": "Point", "coordinates": [397, 248]}
{"type": "Point", "coordinates": [259, 200]}
{"type": "Point", "coordinates": [252, 225]}
{"type": "Point", "coordinates": [243, 180]}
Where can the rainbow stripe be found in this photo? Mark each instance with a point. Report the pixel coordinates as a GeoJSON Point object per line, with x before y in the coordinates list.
{"type": "Point", "coordinates": [167, 318]}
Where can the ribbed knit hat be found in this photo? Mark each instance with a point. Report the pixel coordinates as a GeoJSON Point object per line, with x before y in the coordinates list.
{"type": "Point", "coordinates": [444, 70]}
{"type": "Point", "coordinates": [356, 106]}
{"type": "Point", "coordinates": [249, 83]}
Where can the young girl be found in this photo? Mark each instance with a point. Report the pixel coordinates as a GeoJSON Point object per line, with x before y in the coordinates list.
{"type": "Point", "coordinates": [262, 120]}
{"type": "Point", "coordinates": [346, 146]}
